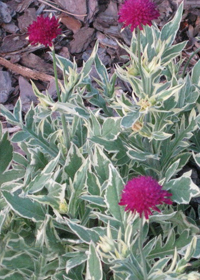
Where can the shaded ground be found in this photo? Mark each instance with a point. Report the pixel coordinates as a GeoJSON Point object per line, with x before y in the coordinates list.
{"type": "Point", "coordinates": [82, 22]}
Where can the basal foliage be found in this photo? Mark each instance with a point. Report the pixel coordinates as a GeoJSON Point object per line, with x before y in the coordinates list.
{"type": "Point", "coordinates": [59, 212]}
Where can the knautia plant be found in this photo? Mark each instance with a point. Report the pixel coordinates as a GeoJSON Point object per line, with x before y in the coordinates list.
{"type": "Point", "coordinates": [99, 190]}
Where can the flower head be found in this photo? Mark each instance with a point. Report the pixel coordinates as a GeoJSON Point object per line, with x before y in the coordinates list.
{"type": "Point", "coordinates": [43, 30]}
{"type": "Point", "coordinates": [142, 194]}
{"type": "Point", "coordinates": [138, 13]}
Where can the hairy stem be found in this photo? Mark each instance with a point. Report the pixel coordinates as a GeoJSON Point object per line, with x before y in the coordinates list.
{"type": "Point", "coordinates": [144, 266]}
{"type": "Point", "coordinates": [63, 120]}
{"type": "Point", "coordinates": [55, 74]}
{"type": "Point", "coordinates": [140, 61]}
{"type": "Point", "coordinates": [187, 63]}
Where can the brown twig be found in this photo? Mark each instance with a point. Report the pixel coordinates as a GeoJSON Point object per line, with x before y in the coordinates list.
{"type": "Point", "coordinates": [25, 72]}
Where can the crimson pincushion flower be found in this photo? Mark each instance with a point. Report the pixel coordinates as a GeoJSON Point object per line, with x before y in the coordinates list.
{"type": "Point", "coordinates": [138, 13]}
{"type": "Point", "coordinates": [142, 194]}
{"type": "Point", "coordinates": [43, 30]}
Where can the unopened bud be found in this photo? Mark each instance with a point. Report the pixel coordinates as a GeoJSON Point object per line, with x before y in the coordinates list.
{"type": "Point", "coordinates": [63, 208]}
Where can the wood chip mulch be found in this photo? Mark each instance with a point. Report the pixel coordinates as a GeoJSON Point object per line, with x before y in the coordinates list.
{"type": "Point", "coordinates": [82, 23]}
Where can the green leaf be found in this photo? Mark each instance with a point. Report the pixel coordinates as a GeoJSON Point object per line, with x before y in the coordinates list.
{"type": "Point", "coordinates": [9, 116]}
{"type": "Point", "coordinates": [178, 220]}
{"type": "Point", "coordinates": [197, 158]}
{"type": "Point", "coordinates": [17, 112]}
{"type": "Point", "coordinates": [48, 235]}
{"type": "Point", "coordinates": [115, 146]}
{"type": "Point", "coordinates": [163, 249]}
{"type": "Point", "coordinates": [37, 158]}
{"type": "Point", "coordinates": [51, 165]}
{"type": "Point", "coordinates": [148, 40]}
{"type": "Point", "coordinates": [20, 159]}
{"type": "Point", "coordinates": [24, 206]}
{"type": "Point", "coordinates": [41, 179]}
{"type": "Point", "coordinates": [6, 153]}
{"type": "Point", "coordinates": [157, 268]}
{"type": "Point", "coordinates": [172, 170]}
{"type": "Point", "coordinates": [94, 199]}
{"type": "Point", "coordinates": [63, 63]}
{"type": "Point", "coordinates": [1, 130]}
{"type": "Point", "coordinates": [108, 219]}
{"type": "Point", "coordinates": [111, 128]}
{"type": "Point", "coordinates": [85, 234]}
{"type": "Point", "coordinates": [182, 189]}
{"type": "Point", "coordinates": [38, 183]}
{"type": "Point", "coordinates": [73, 262]}
{"type": "Point", "coordinates": [160, 135]}
{"type": "Point", "coordinates": [197, 251]}
{"type": "Point", "coordinates": [182, 222]}
{"type": "Point", "coordinates": [78, 186]}
{"type": "Point", "coordinates": [20, 136]}
{"type": "Point", "coordinates": [74, 160]}
{"type": "Point", "coordinates": [195, 74]}
{"type": "Point", "coordinates": [93, 183]}
{"type": "Point", "coordinates": [94, 268]}
{"type": "Point", "coordinates": [170, 29]}
{"type": "Point", "coordinates": [72, 109]}
{"type": "Point", "coordinates": [3, 216]}
{"type": "Point", "coordinates": [10, 275]}
{"type": "Point", "coordinates": [93, 125]}
{"type": "Point", "coordinates": [140, 155]}
{"type": "Point", "coordinates": [100, 163]}
{"type": "Point", "coordinates": [18, 261]}
{"type": "Point", "coordinates": [29, 117]}
{"type": "Point", "coordinates": [165, 94]}
{"type": "Point", "coordinates": [172, 52]}
{"type": "Point", "coordinates": [130, 119]}
{"type": "Point", "coordinates": [101, 70]}
{"type": "Point", "coordinates": [88, 65]}
{"type": "Point", "coordinates": [54, 197]}
{"type": "Point", "coordinates": [189, 252]}
{"type": "Point", "coordinates": [12, 175]}
{"type": "Point", "coordinates": [159, 218]}
{"type": "Point", "coordinates": [113, 194]}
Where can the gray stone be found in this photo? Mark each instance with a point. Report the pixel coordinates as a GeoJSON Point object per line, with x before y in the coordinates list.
{"type": "Point", "coordinates": [5, 86]}
{"type": "Point", "coordinates": [5, 13]}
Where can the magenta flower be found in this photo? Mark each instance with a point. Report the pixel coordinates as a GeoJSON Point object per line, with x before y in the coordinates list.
{"type": "Point", "coordinates": [138, 13]}
{"type": "Point", "coordinates": [43, 31]}
{"type": "Point", "coordinates": [142, 194]}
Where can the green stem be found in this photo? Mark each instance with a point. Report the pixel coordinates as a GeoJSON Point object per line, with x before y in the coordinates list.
{"type": "Point", "coordinates": [139, 59]}
{"type": "Point", "coordinates": [144, 266]}
{"type": "Point", "coordinates": [65, 131]}
{"type": "Point", "coordinates": [63, 120]}
{"type": "Point", "coordinates": [187, 63]}
{"type": "Point", "coordinates": [55, 74]}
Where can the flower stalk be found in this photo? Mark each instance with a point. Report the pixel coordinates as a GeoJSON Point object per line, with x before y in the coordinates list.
{"type": "Point", "coordinates": [55, 73]}
{"type": "Point", "coordinates": [140, 244]}
{"type": "Point", "coordinates": [188, 62]}
{"type": "Point", "coordinates": [139, 58]}
{"type": "Point", "coordinates": [63, 120]}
